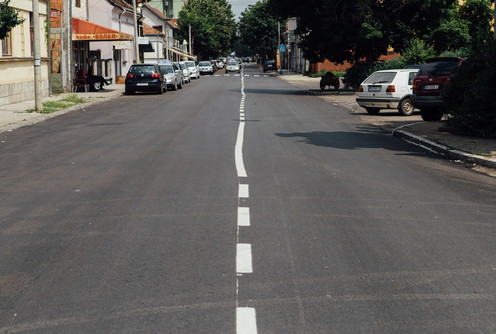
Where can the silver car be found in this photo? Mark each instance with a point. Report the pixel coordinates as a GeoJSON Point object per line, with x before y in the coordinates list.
{"type": "Point", "coordinates": [186, 72]}
{"type": "Point", "coordinates": [179, 71]}
{"type": "Point", "coordinates": [193, 69]}
{"type": "Point", "coordinates": [173, 78]}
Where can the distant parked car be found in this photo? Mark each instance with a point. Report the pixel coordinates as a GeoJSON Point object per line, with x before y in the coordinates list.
{"type": "Point", "coordinates": [193, 69]}
{"type": "Point", "coordinates": [387, 89]}
{"type": "Point", "coordinates": [232, 66]}
{"type": "Point", "coordinates": [145, 77]}
{"type": "Point", "coordinates": [179, 71]}
{"type": "Point", "coordinates": [269, 65]}
{"type": "Point", "coordinates": [186, 72]}
{"type": "Point", "coordinates": [429, 84]}
{"type": "Point", "coordinates": [173, 78]}
{"type": "Point", "coordinates": [206, 67]}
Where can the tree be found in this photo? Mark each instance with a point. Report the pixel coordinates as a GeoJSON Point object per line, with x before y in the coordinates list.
{"type": "Point", "coordinates": [258, 30]}
{"type": "Point", "coordinates": [9, 18]}
{"type": "Point", "coordinates": [212, 23]}
{"type": "Point", "coordinates": [350, 30]}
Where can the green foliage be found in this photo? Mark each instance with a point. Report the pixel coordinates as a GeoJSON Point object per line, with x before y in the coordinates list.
{"type": "Point", "coordinates": [9, 18]}
{"type": "Point", "coordinates": [362, 30]}
{"type": "Point", "coordinates": [471, 96]}
{"type": "Point", "coordinates": [258, 30]}
{"type": "Point", "coordinates": [212, 25]}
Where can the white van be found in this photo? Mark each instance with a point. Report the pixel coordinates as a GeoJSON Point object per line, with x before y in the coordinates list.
{"type": "Point", "coordinates": [387, 89]}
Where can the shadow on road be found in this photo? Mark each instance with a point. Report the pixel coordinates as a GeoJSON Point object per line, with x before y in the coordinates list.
{"type": "Point", "coordinates": [365, 138]}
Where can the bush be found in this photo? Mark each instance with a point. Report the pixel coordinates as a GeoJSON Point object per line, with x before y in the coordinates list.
{"type": "Point", "coordinates": [471, 96]}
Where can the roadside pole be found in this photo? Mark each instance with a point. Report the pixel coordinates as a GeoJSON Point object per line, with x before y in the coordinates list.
{"type": "Point", "coordinates": [37, 57]}
{"type": "Point", "coordinates": [136, 45]}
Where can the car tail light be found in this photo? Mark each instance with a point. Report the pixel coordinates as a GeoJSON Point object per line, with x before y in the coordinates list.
{"type": "Point", "coordinates": [130, 75]}
{"type": "Point", "coordinates": [415, 85]}
{"type": "Point", "coordinates": [360, 89]}
{"type": "Point", "coordinates": [156, 75]}
{"type": "Point", "coordinates": [390, 89]}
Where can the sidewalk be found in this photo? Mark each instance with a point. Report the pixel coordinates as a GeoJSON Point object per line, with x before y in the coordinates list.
{"type": "Point", "coordinates": [470, 150]}
{"type": "Point", "coordinates": [14, 116]}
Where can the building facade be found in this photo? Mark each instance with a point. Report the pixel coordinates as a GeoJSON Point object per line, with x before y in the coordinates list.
{"type": "Point", "coordinates": [17, 56]}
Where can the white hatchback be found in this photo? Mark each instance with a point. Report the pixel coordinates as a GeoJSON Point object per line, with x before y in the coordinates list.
{"type": "Point", "coordinates": [387, 89]}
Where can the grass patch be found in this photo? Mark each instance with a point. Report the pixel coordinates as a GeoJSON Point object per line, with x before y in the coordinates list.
{"type": "Point", "coordinates": [53, 106]}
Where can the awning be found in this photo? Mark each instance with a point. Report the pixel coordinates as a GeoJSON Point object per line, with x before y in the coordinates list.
{"type": "Point", "coordinates": [183, 53]}
{"type": "Point", "coordinates": [88, 31]}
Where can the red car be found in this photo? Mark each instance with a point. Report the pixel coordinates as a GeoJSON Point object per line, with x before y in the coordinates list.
{"type": "Point", "coordinates": [428, 86]}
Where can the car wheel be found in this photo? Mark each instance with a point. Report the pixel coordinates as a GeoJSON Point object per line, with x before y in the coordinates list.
{"type": "Point", "coordinates": [406, 108]}
{"type": "Point", "coordinates": [431, 114]}
{"type": "Point", "coordinates": [373, 111]}
{"type": "Point", "coordinates": [97, 85]}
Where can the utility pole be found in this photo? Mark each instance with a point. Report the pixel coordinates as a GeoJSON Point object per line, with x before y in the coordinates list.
{"type": "Point", "coordinates": [136, 45]}
{"type": "Point", "coordinates": [37, 57]}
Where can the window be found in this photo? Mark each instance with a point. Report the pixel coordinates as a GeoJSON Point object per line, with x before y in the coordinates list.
{"type": "Point", "coordinates": [78, 3]}
{"type": "Point", "coordinates": [7, 46]}
{"type": "Point", "coordinates": [159, 28]}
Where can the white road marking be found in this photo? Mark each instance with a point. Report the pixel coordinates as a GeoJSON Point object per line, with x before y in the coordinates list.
{"type": "Point", "coordinates": [243, 191]}
{"type": "Point", "coordinates": [238, 151]}
{"type": "Point", "coordinates": [243, 259]}
{"type": "Point", "coordinates": [246, 320]}
{"type": "Point", "coordinates": [244, 216]}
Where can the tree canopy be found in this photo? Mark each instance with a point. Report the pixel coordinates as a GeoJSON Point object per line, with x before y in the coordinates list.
{"type": "Point", "coordinates": [258, 29]}
{"type": "Point", "coordinates": [212, 25]}
{"type": "Point", "coordinates": [9, 18]}
{"type": "Point", "coordinates": [350, 30]}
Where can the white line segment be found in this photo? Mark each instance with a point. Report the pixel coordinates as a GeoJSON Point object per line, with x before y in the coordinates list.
{"type": "Point", "coordinates": [246, 320]}
{"type": "Point", "coordinates": [243, 259]}
{"type": "Point", "coordinates": [244, 217]}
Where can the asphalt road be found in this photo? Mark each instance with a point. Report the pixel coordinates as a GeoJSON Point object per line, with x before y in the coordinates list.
{"type": "Point", "coordinates": [238, 205]}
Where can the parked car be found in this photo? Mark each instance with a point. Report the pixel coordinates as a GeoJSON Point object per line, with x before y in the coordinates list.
{"type": "Point", "coordinates": [145, 77]}
{"type": "Point", "coordinates": [186, 72]}
{"type": "Point", "coordinates": [387, 89]}
{"type": "Point", "coordinates": [179, 71]}
{"type": "Point", "coordinates": [232, 66]}
{"type": "Point", "coordinates": [206, 67]}
{"type": "Point", "coordinates": [220, 64]}
{"type": "Point", "coordinates": [429, 83]}
{"type": "Point", "coordinates": [193, 69]}
{"type": "Point", "coordinates": [173, 78]}
{"type": "Point", "coordinates": [269, 65]}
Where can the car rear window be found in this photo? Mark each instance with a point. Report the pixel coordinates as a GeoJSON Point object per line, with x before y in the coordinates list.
{"type": "Point", "coordinates": [166, 69]}
{"type": "Point", "coordinates": [270, 62]}
{"type": "Point", "coordinates": [190, 64]}
{"type": "Point", "coordinates": [438, 68]}
{"type": "Point", "coordinates": [380, 77]}
{"type": "Point", "coordinates": [142, 69]}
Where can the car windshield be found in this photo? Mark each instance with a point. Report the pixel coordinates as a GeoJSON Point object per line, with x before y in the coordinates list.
{"type": "Point", "coordinates": [142, 69]}
{"type": "Point", "coordinates": [190, 63]}
{"type": "Point", "coordinates": [167, 69]}
{"type": "Point", "coordinates": [183, 66]}
{"type": "Point", "coordinates": [205, 63]}
{"type": "Point", "coordinates": [438, 68]}
{"type": "Point", "coordinates": [380, 77]}
{"type": "Point", "coordinates": [232, 62]}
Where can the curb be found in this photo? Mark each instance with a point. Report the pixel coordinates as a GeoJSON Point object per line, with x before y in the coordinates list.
{"type": "Point", "coordinates": [443, 150]}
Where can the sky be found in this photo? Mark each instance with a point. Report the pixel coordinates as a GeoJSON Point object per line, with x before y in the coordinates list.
{"type": "Point", "coordinates": [238, 6]}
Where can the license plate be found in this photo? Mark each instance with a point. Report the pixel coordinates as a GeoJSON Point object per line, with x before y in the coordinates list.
{"type": "Point", "coordinates": [374, 88]}
{"type": "Point", "coordinates": [142, 84]}
{"type": "Point", "coordinates": [430, 87]}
